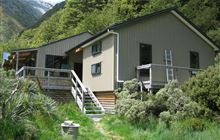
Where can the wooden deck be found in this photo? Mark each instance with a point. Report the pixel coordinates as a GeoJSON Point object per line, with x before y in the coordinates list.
{"type": "Point", "coordinates": [157, 75]}
{"type": "Point", "coordinates": [47, 78]}
{"type": "Point", "coordinates": [64, 80]}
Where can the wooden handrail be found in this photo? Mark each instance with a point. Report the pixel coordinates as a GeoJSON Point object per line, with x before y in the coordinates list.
{"type": "Point", "coordinates": [20, 70]}
{"type": "Point", "coordinates": [78, 81]}
{"type": "Point", "coordinates": [41, 68]}
{"type": "Point", "coordinates": [47, 69]}
{"type": "Point", "coordinates": [148, 66]}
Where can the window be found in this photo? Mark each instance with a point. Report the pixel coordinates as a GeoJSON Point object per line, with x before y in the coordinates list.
{"type": "Point", "coordinates": [53, 61]}
{"type": "Point", "coordinates": [96, 69]}
{"type": "Point", "coordinates": [97, 48]}
{"type": "Point", "coordinates": [194, 60]}
{"type": "Point", "coordinates": [57, 62]}
{"type": "Point", "coordinates": [145, 54]}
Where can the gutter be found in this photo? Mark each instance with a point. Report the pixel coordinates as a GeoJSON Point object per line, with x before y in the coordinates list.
{"type": "Point", "coordinates": [117, 56]}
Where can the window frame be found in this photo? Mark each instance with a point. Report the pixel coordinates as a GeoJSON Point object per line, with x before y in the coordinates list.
{"type": "Point", "coordinates": [96, 48]}
{"type": "Point", "coordinates": [96, 69]}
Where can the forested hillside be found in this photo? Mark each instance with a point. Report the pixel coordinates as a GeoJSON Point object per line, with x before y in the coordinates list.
{"type": "Point", "coordinates": [95, 15]}
{"type": "Point", "coordinates": [16, 15]}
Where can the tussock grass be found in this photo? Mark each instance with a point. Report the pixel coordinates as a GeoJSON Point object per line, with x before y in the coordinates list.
{"type": "Point", "coordinates": [156, 130]}
{"type": "Point", "coordinates": [46, 127]}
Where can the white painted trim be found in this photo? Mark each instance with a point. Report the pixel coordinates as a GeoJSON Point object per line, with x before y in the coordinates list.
{"type": "Point", "coordinates": [117, 56]}
{"type": "Point", "coordinates": [94, 40]}
{"type": "Point", "coordinates": [195, 30]}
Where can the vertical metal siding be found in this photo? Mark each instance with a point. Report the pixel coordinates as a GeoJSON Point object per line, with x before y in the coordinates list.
{"type": "Point", "coordinates": [162, 32]}
{"type": "Point", "coordinates": [59, 48]}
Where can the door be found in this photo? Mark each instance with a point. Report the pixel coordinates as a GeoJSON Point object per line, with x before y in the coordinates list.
{"type": "Point", "coordinates": [145, 58]}
{"type": "Point", "coordinates": [145, 54]}
{"type": "Point", "coordinates": [78, 70]}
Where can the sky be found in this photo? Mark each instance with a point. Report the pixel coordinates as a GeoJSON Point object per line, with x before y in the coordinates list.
{"type": "Point", "coordinates": [53, 1]}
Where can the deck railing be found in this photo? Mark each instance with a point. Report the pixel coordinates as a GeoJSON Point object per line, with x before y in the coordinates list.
{"type": "Point", "coordinates": [153, 75]}
{"type": "Point", "coordinates": [49, 78]}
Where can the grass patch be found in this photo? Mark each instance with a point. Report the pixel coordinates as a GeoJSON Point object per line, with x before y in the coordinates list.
{"type": "Point", "coordinates": [155, 130]}
{"type": "Point", "coordinates": [87, 126]}
{"type": "Point", "coordinates": [50, 126]}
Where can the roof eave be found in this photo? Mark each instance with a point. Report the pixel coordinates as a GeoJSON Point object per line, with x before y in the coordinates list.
{"type": "Point", "coordinates": [82, 45]}
{"type": "Point", "coordinates": [172, 10]}
{"type": "Point", "coordinates": [24, 50]}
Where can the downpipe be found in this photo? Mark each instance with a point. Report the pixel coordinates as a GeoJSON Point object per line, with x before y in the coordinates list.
{"type": "Point", "coordinates": [117, 57]}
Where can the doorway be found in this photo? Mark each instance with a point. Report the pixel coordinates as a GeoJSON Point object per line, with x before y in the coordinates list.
{"type": "Point", "coordinates": [145, 53]}
{"type": "Point", "coordinates": [78, 69]}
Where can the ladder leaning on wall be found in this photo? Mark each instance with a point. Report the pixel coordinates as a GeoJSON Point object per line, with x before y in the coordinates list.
{"type": "Point", "coordinates": [169, 64]}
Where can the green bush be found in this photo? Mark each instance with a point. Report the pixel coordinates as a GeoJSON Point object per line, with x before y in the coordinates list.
{"type": "Point", "coordinates": [129, 90]}
{"type": "Point", "coordinates": [172, 97]}
{"type": "Point", "coordinates": [204, 88]}
{"type": "Point", "coordinates": [169, 103]}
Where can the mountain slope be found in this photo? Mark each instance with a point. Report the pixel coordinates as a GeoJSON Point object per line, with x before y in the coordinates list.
{"type": "Point", "coordinates": [49, 13]}
{"type": "Point", "coordinates": [16, 15]}
{"type": "Point", "coordinates": [8, 26]}
{"type": "Point", "coordinates": [95, 15]}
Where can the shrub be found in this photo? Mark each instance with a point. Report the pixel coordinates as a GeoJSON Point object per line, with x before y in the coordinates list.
{"type": "Point", "coordinates": [21, 100]}
{"type": "Point", "coordinates": [129, 90]}
{"type": "Point", "coordinates": [177, 104]}
{"type": "Point", "coordinates": [204, 88]}
{"type": "Point", "coordinates": [129, 102]}
{"type": "Point", "coordinates": [172, 97]}
{"type": "Point", "coordinates": [170, 103]}
{"type": "Point", "coordinates": [166, 117]}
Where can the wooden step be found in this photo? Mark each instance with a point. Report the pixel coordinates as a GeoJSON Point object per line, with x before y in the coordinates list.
{"type": "Point", "coordinates": [92, 107]}
{"type": "Point", "coordinates": [94, 112]}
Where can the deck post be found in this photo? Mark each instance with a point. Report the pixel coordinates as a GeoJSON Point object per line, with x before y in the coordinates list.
{"type": "Point", "coordinates": [141, 86]}
{"type": "Point", "coordinates": [17, 60]}
{"type": "Point", "coordinates": [138, 74]}
{"type": "Point", "coordinates": [150, 73]}
{"type": "Point", "coordinates": [83, 100]}
{"type": "Point", "coordinates": [76, 91]}
{"type": "Point", "coordinates": [24, 72]}
{"type": "Point", "coordinates": [48, 79]}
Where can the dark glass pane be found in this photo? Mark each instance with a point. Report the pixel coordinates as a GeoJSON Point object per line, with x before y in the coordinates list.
{"type": "Point", "coordinates": [49, 61]}
{"type": "Point", "coordinates": [145, 57]}
{"type": "Point", "coordinates": [145, 54]}
{"type": "Point", "coordinates": [96, 69]}
{"type": "Point", "coordinates": [194, 60]}
{"type": "Point", "coordinates": [97, 48]}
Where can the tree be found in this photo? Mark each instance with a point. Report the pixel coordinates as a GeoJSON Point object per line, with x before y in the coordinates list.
{"type": "Point", "coordinates": [202, 12]}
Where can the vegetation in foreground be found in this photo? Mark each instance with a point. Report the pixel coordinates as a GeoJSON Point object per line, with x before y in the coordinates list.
{"type": "Point", "coordinates": [26, 113]}
{"type": "Point", "coordinates": [186, 112]}
{"type": "Point", "coordinates": [154, 129]}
